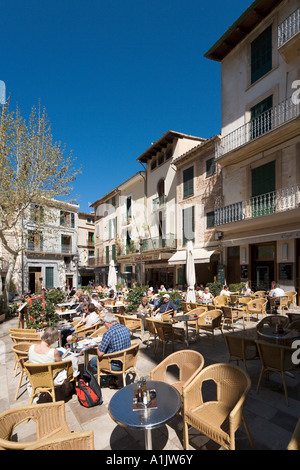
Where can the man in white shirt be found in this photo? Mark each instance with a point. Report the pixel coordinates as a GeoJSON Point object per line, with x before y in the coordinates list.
{"type": "Point", "coordinates": [277, 292]}
{"type": "Point", "coordinates": [95, 301]}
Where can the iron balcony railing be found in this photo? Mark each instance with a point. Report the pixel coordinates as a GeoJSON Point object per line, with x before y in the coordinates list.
{"type": "Point", "coordinates": [289, 27]}
{"type": "Point", "coordinates": [276, 201]}
{"type": "Point", "coordinates": [156, 243]}
{"type": "Point", "coordinates": [267, 121]}
{"type": "Point", "coordinates": [40, 248]}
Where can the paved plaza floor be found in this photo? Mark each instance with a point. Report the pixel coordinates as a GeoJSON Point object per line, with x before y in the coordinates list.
{"type": "Point", "coordinates": [270, 421]}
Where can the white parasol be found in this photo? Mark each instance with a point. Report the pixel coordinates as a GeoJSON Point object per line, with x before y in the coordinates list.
{"type": "Point", "coordinates": [190, 273]}
{"type": "Point", "coordinates": [112, 276]}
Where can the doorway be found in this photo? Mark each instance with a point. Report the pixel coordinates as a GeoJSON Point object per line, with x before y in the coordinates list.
{"type": "Point", "coordinates": [263, 265]}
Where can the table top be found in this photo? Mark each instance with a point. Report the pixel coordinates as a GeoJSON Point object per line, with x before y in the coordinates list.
{"type": "Point", "coordinates": [186, 317]}
{"type": "Point", "coordinates": [270, 332]}
{"type": "Point", "coordinates": [168, 404]}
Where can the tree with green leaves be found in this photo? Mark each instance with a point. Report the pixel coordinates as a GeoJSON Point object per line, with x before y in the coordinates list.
{"type": "Point", "coordinates": [34, 172]}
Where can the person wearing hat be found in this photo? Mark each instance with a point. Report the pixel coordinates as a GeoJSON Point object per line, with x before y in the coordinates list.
{"type": "Point", "coordinates": [166, 305]}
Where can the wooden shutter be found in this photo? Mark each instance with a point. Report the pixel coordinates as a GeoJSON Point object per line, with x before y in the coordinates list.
{"type": "Point", "coordinates": [188, 182]}
{"type": "Point", "coordinates": [261, 54]}
{"type": "Point", "coordinates": [188, 225]}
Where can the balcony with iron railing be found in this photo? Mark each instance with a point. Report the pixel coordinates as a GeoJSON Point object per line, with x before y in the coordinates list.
{"type": "Point", "coordinates": [278, 201]}
{"type": "Point", "coordinates": [40, 248]}
{"type": "Point", "coordinates": [289, 37]}
{"type": "Point", "coordinates": [264, 124]}
{"type": "Point", "coordinates": [156, 243]}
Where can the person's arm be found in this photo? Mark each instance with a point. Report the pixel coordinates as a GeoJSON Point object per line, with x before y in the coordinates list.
{"type": "Point", "coordinates": [57, 356]}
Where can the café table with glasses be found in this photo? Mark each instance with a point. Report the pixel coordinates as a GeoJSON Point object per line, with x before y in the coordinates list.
{"type": "Point", "coordinates": [162, 404]}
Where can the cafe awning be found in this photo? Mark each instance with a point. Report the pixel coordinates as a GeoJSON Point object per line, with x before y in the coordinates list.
{"type": "Point", "coordinates": [201, 255]}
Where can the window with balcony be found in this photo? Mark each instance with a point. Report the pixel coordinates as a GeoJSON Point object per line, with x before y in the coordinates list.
{"type": "Point", "coordinates": [67, 219]}
{"type": "Point", "coordinates": [35, 240]}
{"type": "Point", "coordinates": [261, 54]}
{"type": "Point", "coordinates": [263, 189]}
{"type": "Point", "coordinates": [262, 117]}
{"type": "Point", "coordinates": [210, 219]}
{"type": "Point", "coordinates": [188, 182]}
{"type": "Point", "coordinates": [66, 244]}
{"type": "Point", "coordinates": [188, 225]}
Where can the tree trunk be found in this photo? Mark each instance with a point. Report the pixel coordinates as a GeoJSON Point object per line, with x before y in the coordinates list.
{"type": "Point", "coordinates": [11, 267]}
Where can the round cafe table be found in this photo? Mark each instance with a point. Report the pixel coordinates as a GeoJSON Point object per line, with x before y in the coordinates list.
{"type": "Point", "coordinates": [186, 318]}
{"type": "Point", "coordinates": [168, 403]}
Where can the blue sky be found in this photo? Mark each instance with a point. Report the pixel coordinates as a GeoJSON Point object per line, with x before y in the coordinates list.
{"type": "Point", "coordinates": [115, 75]}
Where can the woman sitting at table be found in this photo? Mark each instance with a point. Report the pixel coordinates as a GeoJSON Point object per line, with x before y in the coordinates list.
{"type": "Point", "coordinates": [144, 307]}
{"type": "Point", "coordinates": [206, 297]}
{"type": "Point", "coordinates": [246, 291]}
{"type": "Point", "coordinates": [43, 353]}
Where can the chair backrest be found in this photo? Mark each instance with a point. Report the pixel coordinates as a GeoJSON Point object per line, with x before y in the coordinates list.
{"type": "Point", "coordinates": [292, 295]}
{"type": "Point", "coordinates": [284, 301]}
{"type": "Point", "coordinates": [259, 303]}
{"type": "Point", "coordinates": [21, 352]}
{"type": "Point", "coordinates": [163, 329]}
{"type": "Point", "coordinates": [231, 381]}
{"type": "Point", "coordinates": [235, 345]}
{"type": "Point", "coordinates": [227, 311]}
{"type": "Point", "coordinates": [189, 364]}
{"type": "Point", "coordinates": [42, 375]}
{"type": "Point", "coordinates": [186, 306]}
{"type": "Point", "coordinates": [100, 331]}
{"type": "Point", "coordinates": [221, 300]}
{"type": "Point", "coordinates": [21, 338]}
{"type": "Point", "coordinates": [78, 440]}
{"type": "Point", "coordinates": [259, 293]}
{"type": "Point", "coordinates": [16, 331]}
{"type": "Point", "coordinates": [275, 356]}
{"type": "Point", "coordinates": [294, 325]}
{"type": "Point", "coordinates": [244, 300]}
{"type": "Point", "coordinates": [273, 320]}
{"type": "Point", "coordinates": [197, 311]}
{"type": "Point", "coordinates": [233, 298]}
{"type": "Point", "coordinates": [132, 322]}
{"type": "Point", "coordinates": [165, 316]}
{"type": "Point", "coordinates": [120, 319]}
{"type": "Point", "coordinates": [128, 357]}
{"type": "Point", "coordinates": [151, 326]}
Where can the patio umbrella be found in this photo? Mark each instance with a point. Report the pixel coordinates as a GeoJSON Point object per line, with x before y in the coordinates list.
{"type": "Point", "coordinates": [190, 273]}
{"type": "Point", "coordinates": [112, 276]}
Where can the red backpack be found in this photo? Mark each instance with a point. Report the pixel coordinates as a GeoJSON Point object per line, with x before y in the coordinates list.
{"type": "Point", "coordinates": [88, 390]}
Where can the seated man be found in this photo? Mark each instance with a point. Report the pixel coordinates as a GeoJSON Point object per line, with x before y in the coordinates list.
{"type": "Point", "coordinates": [277, 291]}
{"type": "Point", "coordinates": [116, 338]}
{"type": "Point", "coordinates": [167, 305]}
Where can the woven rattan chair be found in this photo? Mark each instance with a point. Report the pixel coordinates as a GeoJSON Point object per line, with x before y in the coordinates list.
{"type": "Point", "coordinates": [167, 333]}
{"type": "Point", "coordinates": [292, 297]}
{"type": "Point", "coordinates": [21, 337]}
{"type": "Point", "coordinates": [100, 331]}
{"type": "Point", "coordinates": [218, 419]}
{"type": "Point", "coordinates": [195, 312]}
{"type": "Point", "coordinates": [83, 331]}
{"type": "Point", "coordinates": [295, 325]}
{"type": "Point", "coordinates": [275, 358]}
{"type": "Point", "coordinates": [151, 330]}
{"type": "Point", "coordinates": [259, 294]}
{"type": "Point", "coordinates": [50, 422]}
{"type": "Point", "coordinates": [232, 314]}
{"type": "Point", "coordinates": [281, 303]}
{"type": "Point", "coordinates": [294, 443]}
{"type": "Point", "coordinates": [293, 316]}
{"type": "Point", "coordinates": [79, 440]}
{"type": "Point", "coordinates": [189, 364]}
{"type": "Point", "coordinates": [41, 376]}
{"type": "Point", "coordinates": [21, 353]}
{"type": "Point", "coordinates": [186, 306]}
{"type": "Point", "coordinates": [256, 306]}
{"type": "Point", "coordinates": [209, 321]}
{"type": "Point", "coordinates": [133, 324]}
{"type": "Point", "coordinates": [20, 331]}
{"type": "Point", "coordinates": [221, 300]}
{"type": "Point", "coordinates": [240, 349]}
{"type": "Point", "coordinates": [128, 358]}
{"type": "Point", "coordinates": [273, 320]}
{"type": "Point", "coordinates": [233, 298]}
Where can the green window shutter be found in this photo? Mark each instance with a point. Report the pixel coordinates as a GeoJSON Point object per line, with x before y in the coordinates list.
{"type": "Point", "coordinates": [261, 54]}
{"type": "Point", "coordinates": [188, 182]}
{"type": "Point", "coordinates": [188, 225]}
{"type": "Point", "coordinates": [210, 166]}
{"type": "Point", "coordinates": [116, 225]}
{"type": "Point", "coordinates": [210, 219]}
{"type": "Point", "coordinates": [62, 218]}
{"type": "Point", "coordinates": [107, 254]}
{"type": "Point", "coordinates": [72, 220]}
{"type": "Point", "coordinates": [113, 252]}
{"type": "Point", "coordinates": [49, 284]}
{"type": "Point", "coordinates": [109, 229]}
{"type": "Point", "coordinates": [180, 276]}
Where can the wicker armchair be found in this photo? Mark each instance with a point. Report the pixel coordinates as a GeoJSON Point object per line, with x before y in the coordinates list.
{"type": "Point", "coordinates": [100, 331]}
{"type": "Point", "coordinates": [240, 349]}
{"type": "Point", "coordinates": [50, 422]}
{"type": "Point", "coordinates": [196, 312]}
{"type": "Point", "coordinates": [218, 419]}
{"type": "Point", "coordinates": [292, 296]}
{"type": "Point", "coordinates": [256, 306]}
{"type": "Point", "coordinates": [294, 325]}
{"type": "Point", "coordinates": [259, 294]}
{"type": "Point", "coordinates": [80, 440]}
{"type": "Point", "coordinates": [151, 330]}
{"type": "Point", "coordinates": [41, 376]}
{"type": "Point", "coordinates": [84, 331]}
{"type": "Point", "coordinates": [232, 314]}
{"type": "Point", "coordinates": [294, 443]}
{"type": "Point", "coordinates": [275, 358]}
{"type": "Point", "coordinates": [20, 331]}
{"type": "Point", "coordinates": [17, 337]}
{"type": "Point", "coordinates": [133, 324]}
{"type": "Point", "coordinates": [21, 354]}
{"type": "Point", "coordinates": [127, 357]}
{"type": "Point", "coordinates": [221, 300]}
{"type": "Point", "coordinates": [167, 333]}
{"type": "Point", "coordinates": [281, 303]}
{"type": "Point", "coordinates": [189, 364]}
{"type": "Point", "coordinates": [209, 321]}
